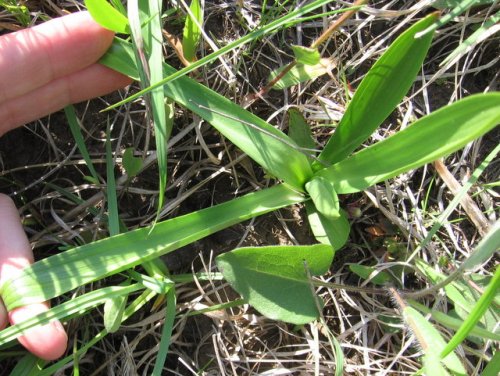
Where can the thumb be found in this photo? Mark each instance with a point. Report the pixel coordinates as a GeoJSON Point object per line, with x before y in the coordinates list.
{"type": "Point", "coordinates": [47, 341]}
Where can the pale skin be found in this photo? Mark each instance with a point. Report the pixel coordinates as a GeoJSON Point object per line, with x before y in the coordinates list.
{"type": "Point", "coordinates": [43, 69]}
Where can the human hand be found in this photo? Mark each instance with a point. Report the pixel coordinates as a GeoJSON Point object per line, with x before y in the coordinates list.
{"type": "Point", "coordinates": [43, 69]}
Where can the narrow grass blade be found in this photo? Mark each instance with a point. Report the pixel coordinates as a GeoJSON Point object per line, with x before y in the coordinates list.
{"type": "Point", "coordinates": [426, 140]}
{"type": "Point", "coordinates": [486, 30]}
{"type": "Point", "coordinates": [275, 280]}
{"type": "Point", "coordinates": [432, 343]}
{"type": "Point", "coordinates": [119, 6]}
{"type": "Point", "coordinates": [166, 334]}
{"type": "Point", "coordinates": [76, 132]}
{"type": "Point", "coordinates": [76, 306]}
{"type": "Point", "coordinates": [114, 306]}
{"type": "Point", "coordinates": [18, 10]}
{"type": "Point", "coordinates": [461, 294]}
{"type": "Point", "coordinates": [479, 309]}
{"type": "Point", "coordinates": [28, 365]}
{"type": "Point", "coordinates": [456, 200]}
{"type": "Point", "coordinates": [107, 16]}
{"type": "Point", "coordinates": [459, 7]}
{"type": "Point", "coordinates": [65, 271]}
{"type": "Point", "coordinates": [443, 4]}
{"type": "Point", "coordinates": [192, 33]}
{"type": "Point", "coordinates": [135, 306]}
{"type": "Point", "coordinates": [454, 323]}
{"type": "Point", "coordinates": [260, 32]}
{"type": "Point", "coordinates": [380, 92]}
{"type": "Point", "coordinates": [269, 147]}
{"type": "Point", "coordinates": [112, 201]}
{"type": "Point", "coordinates": [163, 128]}
{"type": "Point", "coordinates": [484, 250]}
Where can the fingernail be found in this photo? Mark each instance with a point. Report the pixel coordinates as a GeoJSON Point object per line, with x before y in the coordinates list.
{"type": "Point", "coordinates": [58, 326]}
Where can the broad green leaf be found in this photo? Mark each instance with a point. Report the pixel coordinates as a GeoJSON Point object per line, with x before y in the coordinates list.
{"type": "Point", "coordinates": [131, 164]}
{"type": "Point", "coordinates": [429, 138]}
{"type": "Point", "coordinates": [365, 272]}
{"type": "Point", "coordinates": [299, 73]}
{"type": "Point", "coordinates": [432, 344]}
{"type": "Point", "coordinates": [113, 313]}
{"type": "Point", "coordinates": [493, 367]}
{"type": "Point", "coordinates": [299, 130]}
{"type": "Point", "coordinates": [380, 92]}
{"type": "Point", "coordinates": [192, 33]}
{"type": "Point", "coordinates": [324, 197]}
{"type": "Point", "coordinates": [65, 271]}
{"type": "Point", "coordinates": [276, 280]}
{"type": "Point", "coordinates": [334, 232]}
{"type": "Point", "coordinates": [306, 55]}
{"type": "Point", "coordinates": [269, 147]}
{"type": "Point", "coordinates": [107, 16]}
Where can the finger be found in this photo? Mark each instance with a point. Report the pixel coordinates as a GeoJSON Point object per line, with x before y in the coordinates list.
{"type": "Point", "coordinates": [30, 58]}
{"type": "Point", "coordinates": [91, 82]}
{"type": "Point", "coordinates": [47, 341]}
{"type": "Point", "coordinates": [15, 250]}
{"type": "Point", "coordinates": [3, 316]}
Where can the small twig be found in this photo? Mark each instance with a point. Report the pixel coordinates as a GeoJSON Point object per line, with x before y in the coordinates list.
{"type": "Point", "coordinates": [470, 207]}
{"type": "Point", "coordinates": [337, 24]}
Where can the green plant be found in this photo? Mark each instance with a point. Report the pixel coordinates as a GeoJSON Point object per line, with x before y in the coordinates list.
{"type": "Point", "coordinates": [18, 10]}
{"type": "Point", "coordinates": [307, 177]}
